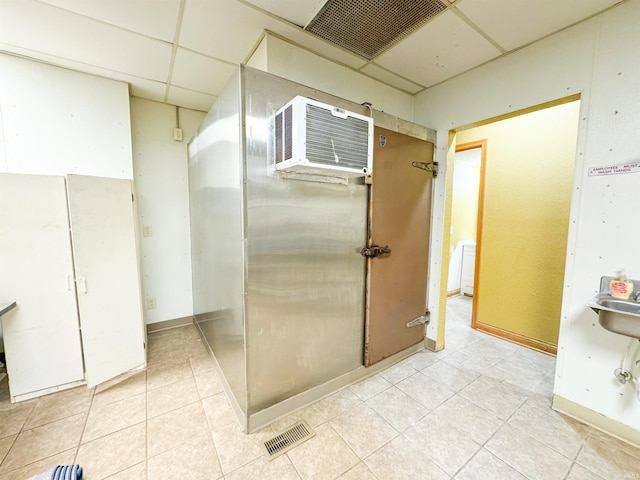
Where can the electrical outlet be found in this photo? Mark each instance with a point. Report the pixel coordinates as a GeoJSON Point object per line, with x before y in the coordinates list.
{"type": "Point", "coordinates": [147, 231]}
{"type": "Point", "coordinates": [151, 303]}
{"type": "Point", "coordinates": [177, 134]}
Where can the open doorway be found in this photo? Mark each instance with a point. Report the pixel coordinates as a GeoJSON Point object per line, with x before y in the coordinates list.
{"type": "Point", "coordinates": [464, 218]}
{"type": "Point", "coordinates": [522, 218]}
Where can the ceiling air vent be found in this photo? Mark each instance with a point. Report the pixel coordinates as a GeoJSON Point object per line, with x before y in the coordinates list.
{"type": "Point", "coordinates": [369, 27]}
{"type": "Point", "coordinates": [315, 138]}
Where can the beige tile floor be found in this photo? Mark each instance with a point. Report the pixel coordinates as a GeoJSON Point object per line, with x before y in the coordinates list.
{"type": "Point", "coordinates": [478, 410]}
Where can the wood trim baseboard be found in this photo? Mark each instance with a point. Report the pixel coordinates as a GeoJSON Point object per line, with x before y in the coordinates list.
{"type": "Point", "coordinates": [535, 344]}
{"type": "Point", "coordinates": [453, 293]}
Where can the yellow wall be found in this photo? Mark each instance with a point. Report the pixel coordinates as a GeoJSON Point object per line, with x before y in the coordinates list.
{"type": "Point", "coordinates": [527, 191]}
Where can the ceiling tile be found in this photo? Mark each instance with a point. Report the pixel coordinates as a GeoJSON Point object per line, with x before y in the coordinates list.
{"type": "Point", "coordinates": [390, 78]}
{"type": "Point", "coordinates": [446, 47]}
{"type": "Point", "coordinates": [157, 19]}
{"type": "Point", "coordinates": [521, 22]}
{"type": "Point", "coordinates": [233, 36]}
{"type": "Point", "coordinates": [190, 99]}
{"type": "Point", "coordinates": [197, 72]}
{"type": "Point", "coordinates": [299, 12]}
{"type": "Point", "coordinates": [147, 89]}
{"type": "Point", "coordinates": [40, 27]}
{"type": "Point", "coordinates": [230, 36]}
{"type": "Point", "coordinates": [139, 87]}
{"type": "Point", "coordinates": [317, 45]}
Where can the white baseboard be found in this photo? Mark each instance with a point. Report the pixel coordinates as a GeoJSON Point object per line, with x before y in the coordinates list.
{"type": "Point", "coordinates": [46, 391]}
{"type": "Point", "coordinates": [597, 420]}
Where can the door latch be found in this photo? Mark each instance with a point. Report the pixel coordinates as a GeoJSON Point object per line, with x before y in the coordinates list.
{"type": "Point", "coordinates": [421, 320]}
{"type": "Point", "coordinates": [429, 167]}
{"type": "Point", "coordinates": [375, 251]}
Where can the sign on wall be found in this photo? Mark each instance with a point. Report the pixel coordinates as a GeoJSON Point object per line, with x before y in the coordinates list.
{"type": "Point", "coordinates": [615, 169]}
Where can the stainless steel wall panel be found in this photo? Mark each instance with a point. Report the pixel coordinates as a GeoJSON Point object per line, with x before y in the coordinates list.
{"type": "Point", "coordinates": [305, 277]}
{"type": "Point", "coordinates": [217, 248]}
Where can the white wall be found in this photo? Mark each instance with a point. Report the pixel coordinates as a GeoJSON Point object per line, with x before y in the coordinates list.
{"type": "Point", "coordinates": [286, 60]}
{"type": "Point", "coordinates": [599, 59]}
{"type": "Point", "coordinates": [162, 186]}
{"type": "Point", "coordinates": [56, 121]}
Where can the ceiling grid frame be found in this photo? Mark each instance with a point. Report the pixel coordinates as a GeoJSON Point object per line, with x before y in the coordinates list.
{"type": "Point", "coordinates": [132, 42]}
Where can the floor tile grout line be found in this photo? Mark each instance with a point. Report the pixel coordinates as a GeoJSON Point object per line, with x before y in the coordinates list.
{"type": "Point", "coordinates": [380, 448]}
{"type": "Point", "coordinates": [9, 449]}
{"type": "Point", "coordinates": [398, 433]}
{"type": "Point", "coordinates": [522, 433]}
{"type": "Point", "coordinates": [286, 454]}
{"type": "Point", "coordinates": [26, 421]}
{"type": "Point", "coordinates": [209, 426]}
{"type": "Point", "coordinates": [146, 419]}
{"type": "Point", "coordinates": [471, 458]}
{"type": "Point", "coordinates": [572, 459]}
{"type": "Point", "coordinates": [32, 463]}
{"type": "Point", "coordinates": [84, 427]}
{"type": "Point", "coordinates": [218, 461]}
{"type": "Point", "coordinates": [40, 426]}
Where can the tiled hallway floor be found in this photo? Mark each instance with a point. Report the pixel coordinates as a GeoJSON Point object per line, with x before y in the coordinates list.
{"type": "Point", "coordinates": [478, 410]}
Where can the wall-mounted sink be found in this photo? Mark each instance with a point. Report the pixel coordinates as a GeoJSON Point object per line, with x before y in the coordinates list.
{"type": "Point", "coordinates": [625, 306]}
{"type": "Point", "coordinates": [618, 316]}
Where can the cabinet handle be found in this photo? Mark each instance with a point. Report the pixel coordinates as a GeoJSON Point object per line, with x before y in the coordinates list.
{"type": "Point", "coordinates": [68, 282]}
{"type": "Point", "coordinates": [84, 284]}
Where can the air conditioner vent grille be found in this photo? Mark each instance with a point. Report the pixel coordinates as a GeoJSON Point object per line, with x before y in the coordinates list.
{"type": "Point", "coordinates": [336, 141]}
{"type": "Point", "coordinates": [278, 133]}
{"type": "Point", "coordinates": [288, 133]}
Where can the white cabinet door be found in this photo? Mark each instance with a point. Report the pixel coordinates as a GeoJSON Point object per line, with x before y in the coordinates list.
{"type": "Point", "coordinates": [41, 336]}
{"type": "Point", "coordinates": [105, 257]}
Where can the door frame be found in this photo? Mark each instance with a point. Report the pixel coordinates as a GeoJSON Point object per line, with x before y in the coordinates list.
{"type": "Point", "coordinates": [439, 344]}
{"type": "Point", "coordinates": [482, 145]}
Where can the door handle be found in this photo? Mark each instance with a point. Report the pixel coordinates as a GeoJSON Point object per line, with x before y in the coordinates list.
{"type": "Point", "coordinates": [375, 251]}
{"type": "Point", "coordinates": [83, 281]}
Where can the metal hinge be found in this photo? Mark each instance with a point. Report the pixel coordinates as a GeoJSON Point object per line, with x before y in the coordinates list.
{"type": "Point", "coordinates": [429, 167]}
{"type": "Point", "coordinates": [421, 320]}
{"type": "Point", "coordinates": [375, 251]}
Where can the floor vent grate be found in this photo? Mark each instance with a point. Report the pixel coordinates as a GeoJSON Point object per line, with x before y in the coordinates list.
{"type": "Point", "coordinates": [285, 441]}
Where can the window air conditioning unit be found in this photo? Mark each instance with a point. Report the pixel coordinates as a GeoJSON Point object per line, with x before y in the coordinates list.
{"type": "Point", "coordinates": [319, 139]}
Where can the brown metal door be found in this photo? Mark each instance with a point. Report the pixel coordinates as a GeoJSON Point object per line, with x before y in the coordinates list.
{"type": "Point", "coordinates": [399, 218]}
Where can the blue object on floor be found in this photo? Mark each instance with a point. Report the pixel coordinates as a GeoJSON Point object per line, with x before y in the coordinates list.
{"type": "Point", "coordinates": [61, 472]}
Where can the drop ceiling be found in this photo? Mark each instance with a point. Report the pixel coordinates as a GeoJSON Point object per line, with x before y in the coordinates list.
{"type": "Point", "coordinates": [182, 52]}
